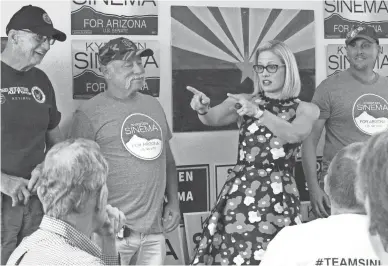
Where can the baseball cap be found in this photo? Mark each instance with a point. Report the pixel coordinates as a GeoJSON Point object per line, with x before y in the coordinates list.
{"type": "Point", "coordinates": [120, 49]}
{"type": "Point", "coordinates": [36, 20]}
{"type": "Point", "coordinates": [362, 31]}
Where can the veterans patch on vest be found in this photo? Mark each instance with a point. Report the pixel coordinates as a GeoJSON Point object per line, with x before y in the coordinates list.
{"type": "Point", "coordinates": [142, 136]}
{"type": "Point", "coordinates": [370, 113]}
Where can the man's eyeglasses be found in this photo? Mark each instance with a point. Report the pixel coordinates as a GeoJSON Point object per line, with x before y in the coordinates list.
{"type": "Point", "coordinates": [270, 68]}
{"type": "Point", "coordinates": [40, 38]}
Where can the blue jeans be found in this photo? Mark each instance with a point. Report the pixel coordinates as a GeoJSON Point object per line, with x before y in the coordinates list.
{"type": "Point", "coordinates": [17, 222]}
{"type": "Point", "coordinates": [142, 249]}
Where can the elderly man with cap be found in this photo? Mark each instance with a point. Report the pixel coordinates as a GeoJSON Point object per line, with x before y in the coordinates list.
{"type": "Point", "coordinates": [29, 121]}
{"type": "Point", "coordinates": [353, 105]}
{"type": "Point", "coordinates": [133, 133]}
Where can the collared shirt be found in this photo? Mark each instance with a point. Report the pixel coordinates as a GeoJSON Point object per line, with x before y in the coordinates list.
{"type": "Point", "coordinates": [58, 243]}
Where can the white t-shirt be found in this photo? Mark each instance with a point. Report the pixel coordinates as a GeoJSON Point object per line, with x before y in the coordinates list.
{"type": "Point", "coordinates": [337, 240]}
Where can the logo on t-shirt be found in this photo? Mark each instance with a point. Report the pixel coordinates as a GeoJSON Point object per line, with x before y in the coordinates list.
{"type": "Point", "coordinates": [370, 113]}
{"type": "Point", "coordinates": [38, 94]}
{"type": "Point", "coordinates": [142, 136]}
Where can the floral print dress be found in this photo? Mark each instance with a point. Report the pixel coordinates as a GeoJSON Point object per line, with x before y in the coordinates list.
{"type": "Point", "coordinates": [259, 197]}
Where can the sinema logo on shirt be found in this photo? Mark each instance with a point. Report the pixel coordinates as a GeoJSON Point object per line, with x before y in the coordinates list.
{"type": "Point", "coordinates": [142, 136]}
{"type": "Point", "coordinates": [370, 113]}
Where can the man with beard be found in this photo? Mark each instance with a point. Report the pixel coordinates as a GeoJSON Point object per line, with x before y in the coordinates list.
{"type": "Point", "coordinates": [133, 134]}
{"type": "Point", "coordinates": [29, 122]}
{"type": "Point", "coordinates": [353, 106]}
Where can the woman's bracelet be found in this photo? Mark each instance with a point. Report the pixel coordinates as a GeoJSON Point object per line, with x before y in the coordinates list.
{"type": "Point", "coordinates": [204, 113]}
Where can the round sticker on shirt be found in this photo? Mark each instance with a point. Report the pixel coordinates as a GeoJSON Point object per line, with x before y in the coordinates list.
{"type": "Point", "coordinates": [38, 94]}
{"type": "Point", "coordinates": [142, 136]}
{"type": "Point", "coordinates": [370, 113]}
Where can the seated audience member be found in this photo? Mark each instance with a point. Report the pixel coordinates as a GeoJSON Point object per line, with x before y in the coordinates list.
{"type": "Point", "coordinates": [74, 195]}
{"type": "Point", "coordinates": [372, 190]}
{"type": "Point", "coordinates": [341, 237]}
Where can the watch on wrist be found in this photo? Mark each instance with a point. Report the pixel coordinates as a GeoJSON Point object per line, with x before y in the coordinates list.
{"type": "Point", "coordinates": [204, 113]}
{"type": "Point", "coordinates": [259, 112]}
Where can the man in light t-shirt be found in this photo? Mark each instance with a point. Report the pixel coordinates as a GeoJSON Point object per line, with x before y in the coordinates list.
{"type": "Point", "coordinates": [353, 106]}
{"type": "Point", "coordinates": [132, 131]}
{"type": "Point", "coordinates": [340, 239]}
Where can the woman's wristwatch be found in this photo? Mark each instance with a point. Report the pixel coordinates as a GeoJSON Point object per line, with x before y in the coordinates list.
{"type": "Point", "coordinates": [204, 113]}
{"type": "Point", "coordinates": [259, 112]}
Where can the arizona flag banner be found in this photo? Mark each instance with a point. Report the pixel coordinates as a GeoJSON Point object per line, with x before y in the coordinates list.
{"type": "Point", "coordinates": [213, 50]}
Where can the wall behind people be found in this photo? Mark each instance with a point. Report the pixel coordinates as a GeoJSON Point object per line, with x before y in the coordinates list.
{"type": "Point", "coordinates": [190, 148]}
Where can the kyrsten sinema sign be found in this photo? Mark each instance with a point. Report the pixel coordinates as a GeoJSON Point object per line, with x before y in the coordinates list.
{"type": "Point", "coordinates": [87, 78]}
{"type": "Point", "coordinates": [340, 15]}
{"type": "Point", "coordinates": [114, 17]}
{"type": "Point", "coordinates": [337, 60]}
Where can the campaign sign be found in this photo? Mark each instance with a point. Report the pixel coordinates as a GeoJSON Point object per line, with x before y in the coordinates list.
{"type": "Point", "coordinates": [174, 250]}
{"type": "Point", "coordinates": [194, 223]}
{"type": "Point", "coordinates": [88, 81]}
{"type": "Point", "coordinates": [340, 15]}
{"type": "Point", "coordinates": [114, 17]}
{"type": "Point", "coordinates": [338, 61]}
{"type": "Point", "coordinates": [193, 188]}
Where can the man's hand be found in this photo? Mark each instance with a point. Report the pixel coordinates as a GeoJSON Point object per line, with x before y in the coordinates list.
{"type": "Point", "coordinates": [114, 221]}
{"type": "Point", "coordinates": [16, 188]}
{"type": "Point", "coordinates": [320, 203]}
{"type": "Point", "coordinates": [34, 180]}
{"type": "Point", "coordinates": [171, 217]}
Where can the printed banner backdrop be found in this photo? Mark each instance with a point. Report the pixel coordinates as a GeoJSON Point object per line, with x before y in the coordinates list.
{"type": "Point", "coordinates": [174, 249]}
{"type": "Point", "coordinates": [193, 227]}
{"type": "Point", "coordinates": [300, 178]}
{"type": "Point", "coordinates": [340, 15]}
{"type": "Point", "coordinates": [222, 171]}
{"type": "Point", "coordinates": [119, 17]}
{"type": "Point", "coordinates": [87, 78]}
{"type": "Point", "coordinates": [193, 188]}
{"type": "Point", "coordinates": [337, 59]}
{"type": "Point", "coordinates": [213, 50]}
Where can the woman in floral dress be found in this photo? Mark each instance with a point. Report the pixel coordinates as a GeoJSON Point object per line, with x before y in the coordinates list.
{"type": "Point", "coordinates": [260, 196]}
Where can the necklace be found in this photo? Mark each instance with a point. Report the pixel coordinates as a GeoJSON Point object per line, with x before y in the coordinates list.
{"type": "Point", "coordinates": [275, 101]}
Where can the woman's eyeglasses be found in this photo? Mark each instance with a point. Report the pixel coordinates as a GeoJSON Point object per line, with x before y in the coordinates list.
{"type": "Point", "coordinates": [270, 68]}
{"type": "Point", "coordinates": [40, 38]}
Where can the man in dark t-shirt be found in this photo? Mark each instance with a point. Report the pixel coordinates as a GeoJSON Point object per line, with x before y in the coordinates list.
{"type": "Point", "coordinates": [29, 122]}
